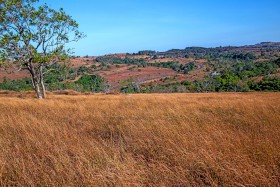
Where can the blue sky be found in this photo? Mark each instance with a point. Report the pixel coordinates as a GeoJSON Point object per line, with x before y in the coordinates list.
{"type": "Point", "coordinates": [114, 26]}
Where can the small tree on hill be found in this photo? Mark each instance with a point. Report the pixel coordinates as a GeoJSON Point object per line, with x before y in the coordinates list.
{"type": "Point", "coordinates": [33, 36]}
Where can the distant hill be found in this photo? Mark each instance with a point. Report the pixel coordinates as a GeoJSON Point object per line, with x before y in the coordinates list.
{"type": "Point", "coordinates": [193, 69]}
{"type": "Point", "coordinates": [266, 45]}
{"type": "Point", "coordinates": [247, 48]}
{"type": "Point", "coordinates": [173, 53]}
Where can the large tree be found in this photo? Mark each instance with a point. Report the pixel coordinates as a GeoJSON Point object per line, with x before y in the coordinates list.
{"type": "Point", "coordinates": [33, 36]}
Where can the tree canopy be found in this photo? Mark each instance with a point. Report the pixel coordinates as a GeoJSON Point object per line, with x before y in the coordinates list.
{"type": "Point", "coordinates": [34, 35]}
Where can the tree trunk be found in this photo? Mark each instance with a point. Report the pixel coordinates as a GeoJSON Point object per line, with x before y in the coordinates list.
{"type": "Point", "coordinates": [35, 81]}
{"type": "Point", "coordinates": [36, 86]}
{"type": "Point", "coordinates": [43, 89]}
{"type": "Point", "coordinates": [42, 82]}
{"type": "Point", "coordinates": [37, 90]}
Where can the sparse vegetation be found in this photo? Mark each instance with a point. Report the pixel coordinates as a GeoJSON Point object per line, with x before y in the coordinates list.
{"type": "Point", "coordinates": [221, 69]}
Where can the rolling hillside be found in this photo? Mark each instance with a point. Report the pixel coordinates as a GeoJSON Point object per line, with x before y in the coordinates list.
{"type": "Point", "coordinates": [193, 69]}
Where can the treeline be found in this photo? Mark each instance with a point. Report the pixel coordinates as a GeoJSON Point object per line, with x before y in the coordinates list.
{"type": "Point", "coordinates": [250, 69]}
{"type": "Point", "coordinates": [233, 53]}
{"type": "Point", "coordinates": [225, 83]}
{"type": "Point", "coordinates": [145, 52]}
{"type": "Point", "coordinates": [117, 60]}
{"type": "Point", "coordinates": [17, 85]}
{"type": "Point", "coordinates": [229, 52]}
{"type": "Point", "coordinates": [87, 83]}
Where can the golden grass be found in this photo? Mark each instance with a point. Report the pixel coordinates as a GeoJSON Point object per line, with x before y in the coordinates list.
{"type": "Point", "coordinates": [215, 139]}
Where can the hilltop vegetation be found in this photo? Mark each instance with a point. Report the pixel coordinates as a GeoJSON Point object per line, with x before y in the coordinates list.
{"type": "Point", "coordinates": [217, 139]}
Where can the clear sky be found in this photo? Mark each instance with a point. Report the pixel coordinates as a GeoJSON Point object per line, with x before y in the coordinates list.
{"type": "Point", "coordinates": [114, 26]}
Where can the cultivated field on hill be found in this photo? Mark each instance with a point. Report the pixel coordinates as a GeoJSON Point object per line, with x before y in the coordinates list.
{"type": "Point", "coordinates": [215, 139]}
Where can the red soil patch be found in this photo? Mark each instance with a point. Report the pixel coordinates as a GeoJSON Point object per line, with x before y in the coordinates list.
{"type": "Point", "coordinates": [139, 75]}
{"type": "Point", "coordinates": [139, 57]}
{"type": "Point", "coordinates": [162, 60]}
{"type": "Point", "coordinates": [13, 76]}
{"type": "Point", "coordinates": [197, 74]}
{"type": "Point", "coordinates": [78, 62]}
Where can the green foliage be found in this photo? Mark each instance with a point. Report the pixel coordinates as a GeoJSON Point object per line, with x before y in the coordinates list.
{"type": "Point", "coordinates": [226, 82]}
{"type": "Point", "coordinates": [58, 73]}
{"type": "Point", "coordinates": [172, 65]}
{"type": "Point", "coordinates": [219, 52]}
{"type": "Point", "coordinates": [250, 69]}
{"type": "Point", "coordinates": [267, 84]}
{"type": "Point", "coordinates": [126, 82]}
{"type": "Point", "coordinates": [146, 52]}
{"type": "Point", "coordinates": [91, 83]}
{"type": "Point", "coordinates": [117, 60]}
{"type": "Point", "coordinates": [16, 85]}
{"type": "Point", "coordinates": [131, 88]}
{"type": "Point", "coordinates": [84, 69]}
{"type": "Point", "coordinates": [176, 66]}
{"type": "Point", "coordinates": [58, 79]}
{"type": "Point", "coordinates": [188, 67]}
{"type": "Point", "coordinates": [94, 66]}
{"type": "Point", "coordinates": [38, 28]}
{"type": "Point", "coordinates": [33, 36]}
{"type": "Point", "coordinates": [277, 62]}
{"type": "Point", "coordinates": [239, 55]}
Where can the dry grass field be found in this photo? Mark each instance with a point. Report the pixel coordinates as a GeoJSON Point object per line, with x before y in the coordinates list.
{"type": "Point", "coordinates": [215, 139]}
